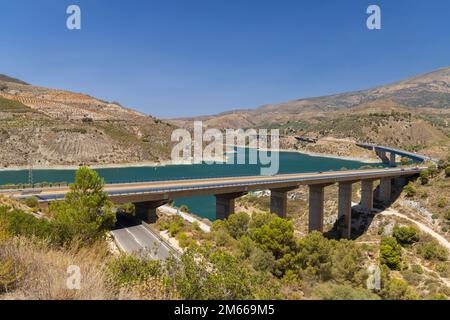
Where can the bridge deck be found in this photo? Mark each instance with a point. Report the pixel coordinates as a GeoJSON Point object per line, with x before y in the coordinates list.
{"type": "Point", "coordinates": [149, 191]}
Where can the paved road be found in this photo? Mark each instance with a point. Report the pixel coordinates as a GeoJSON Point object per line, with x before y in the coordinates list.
{"type": "Point", "coordinates": [132, 237]}
{"type": "Point", "coordinates": [185, 187]}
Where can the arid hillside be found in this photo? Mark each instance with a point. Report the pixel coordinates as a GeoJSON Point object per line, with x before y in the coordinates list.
{"type": "Point", "coordinates": [43, 127]}
{"type": "Point", "coordinates": [431, 90]}
{"type": "Point", "coordinates": [413, 114]}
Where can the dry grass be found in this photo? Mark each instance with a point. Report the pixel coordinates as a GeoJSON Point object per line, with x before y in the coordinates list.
{"type": "Point", "coordinates": [43, 270]}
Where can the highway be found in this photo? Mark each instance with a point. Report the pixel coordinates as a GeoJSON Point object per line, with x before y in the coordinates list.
{"type": "Point", "coordinates": [134, 238]}
{"type": "Point", "coordinates": [157, 190]}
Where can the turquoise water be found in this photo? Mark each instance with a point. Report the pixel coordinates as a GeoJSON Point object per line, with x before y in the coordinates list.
{"type": "Point", "coordinates": [290, 162]}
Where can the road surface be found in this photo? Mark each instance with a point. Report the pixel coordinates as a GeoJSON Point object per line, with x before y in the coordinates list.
{"type": "Point", "coordinates": [133, 237]}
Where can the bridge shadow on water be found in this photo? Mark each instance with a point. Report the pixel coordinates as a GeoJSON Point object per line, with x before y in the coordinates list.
{"type": "Point", "coordinates": [361, 220]}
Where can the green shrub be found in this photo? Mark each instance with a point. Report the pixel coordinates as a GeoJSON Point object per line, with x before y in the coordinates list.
{"type": "Point", "coordinates": [410, 190]}
{"type": "Point", "coordinates": [330, 291]}
{"type": "Point", "coordinates": [442, 203]}
{"type": "Point", "coordinates": [406, 235]}
{"type": "Point", "coordinates": [237, 224]}
{"type": "Point", "coordinates": [32, 202]}
{"type": "Point", "coordinates": [447, 171]}
{"type": "Point", "coordinates": [183, 240]}
{"type": "Point", "coordinates": [390, 253]}
{"type": "Point", "coordinates": [398, 289]}
{"type": "Point", "coordinates": [425, 176]}
{"type": "Point", "coordinates": [21, 223]}
{"type": "Point", "coordinates": [127, 208]}
{"type": "Point", "coordinates": [129, 269]}
{"type": "Point", "coordinates": [432, 251]}
{"type": "Point", "coordinates": [175, 226]}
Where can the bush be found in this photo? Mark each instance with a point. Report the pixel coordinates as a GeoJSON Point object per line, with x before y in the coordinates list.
{"type": "Point", "coordinates": [127, 208]}
{"type": "Point", "coordinates": [183, 240]}
{"type": "Point", "coordinates": [447, 171]}
{"type": "Point", "coordinates": [184, 208]}
{"type": "Point", "coordinates": [32, 202]}
{"type": "Point", "coordinates": [224, 278]}
{"type": "Point", "coordinates": [390, 253]}
{"type": "Point", "coordinates": [237, 224]}
{"type": "Point", "coordinates": [406, 235]}
{"type": "Point", "coordinates": [21, 223]}
{"type": "Point", "coordinates": [425, 177]}
{"type": "Point", "coordinates": [398, 289]}
{"type": "Point", "coordinates": [432, 251]}
{"type": "Point", "coordinates": [442, 203]}
{"type": "Point", "coordinates": [410, 190]}
{"type": "Point", "coordinates": [175, 226]}
{"type": "Point", "coordinates": [128, 269]}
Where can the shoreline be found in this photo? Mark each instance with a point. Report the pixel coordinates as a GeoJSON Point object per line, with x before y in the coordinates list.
{"type": "Point", "coordinates": [170, 163]}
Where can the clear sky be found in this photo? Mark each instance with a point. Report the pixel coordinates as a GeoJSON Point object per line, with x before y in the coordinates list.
{"type": "Point", "coordinates": [189, 57]}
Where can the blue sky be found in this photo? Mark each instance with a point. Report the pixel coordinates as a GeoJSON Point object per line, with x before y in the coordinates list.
{"type": "Point", "coordinates": [190, 57]}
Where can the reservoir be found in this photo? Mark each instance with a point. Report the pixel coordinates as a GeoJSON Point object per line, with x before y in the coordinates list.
{"type": "Point", "coordinates": [204, 206]}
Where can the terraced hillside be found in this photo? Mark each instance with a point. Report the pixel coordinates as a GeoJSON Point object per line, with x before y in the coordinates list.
{"type": "Point", "coordinates": [412, 114]}
{"type": "Point", "coordinates": [44, 127]}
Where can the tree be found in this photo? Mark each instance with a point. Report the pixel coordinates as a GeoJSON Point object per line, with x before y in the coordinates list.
{"type": "Point", "coordinates": [277, 237]}
{"type": "Point", "coordinates": [86, 213]}
{"type": "Point", "coordinates": [237, 224]}
{"type": "Point", "coordinates": [347, 261]}
{"type": "Point", "coordinates": [406, 235]}
{"type": "Point", "coordinates": [390, 253]}
{"type": "Point", "coordinates": [315, 256]}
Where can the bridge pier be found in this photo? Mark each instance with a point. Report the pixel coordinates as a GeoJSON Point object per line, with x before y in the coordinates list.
{"type": "Point", "coordinates": [316, 199]}
{"type": "Point", "coordinates": [367, 195]}
{"type": "Point", "coordinates": [278, 201]}
{"type": "Point", "coordinates": [392, 161]}
{"type": "Point", "coordinates": [146, 211]}
{"type": "Point", "coordinates": [400, 181]}
{"type": "Point", "coordinates": [225, 204]}
{"type": "Point", "coordinates": [382, 155]}
{"type": "Point", "coordinates": [345, 207]}
{"type": "Point", "coordinates": [385, 190]}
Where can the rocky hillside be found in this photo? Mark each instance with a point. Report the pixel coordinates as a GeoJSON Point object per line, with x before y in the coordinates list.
{"type": "Point", "coordinates": [42, 127]}
{"type": "Point", "coordinates": [431, 90]}
{"type": "Point", "coordinates": [413, 114]}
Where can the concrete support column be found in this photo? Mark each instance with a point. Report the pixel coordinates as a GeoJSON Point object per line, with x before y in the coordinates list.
{"type": "Point", "coordinates": [316, 198]}
{"type": "Point", "coordinates": [385, 190]}
{"type": "Point", "coordinates": [400, 181]}
{"type": "Point", "coordinates": [345, 207]}
{"type": "Point", "coordinates": [392, 161]}
{"type": "Point", "coordinates": [278, 201]}
{"type": "Point", "coordinates": [367, 195]}
{"type": "Point", "coordinates": [225, 204]}
{"type": "Point", "coordinates": [146, 211]}
{"type": "Point", "coordinates": [382, 155]}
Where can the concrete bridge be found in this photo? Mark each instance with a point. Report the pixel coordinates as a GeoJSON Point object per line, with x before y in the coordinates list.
{"type": "Point", "coordinates": [382, 152]}
{"type": "Point", "coordinates": [148, 196]}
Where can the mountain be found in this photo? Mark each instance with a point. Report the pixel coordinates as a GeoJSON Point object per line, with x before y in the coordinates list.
{"type": "Point", "coordinates": [412, 114]}
{"type": "Point", "coordinates": [5, 78]}
{"type": "Point", "coordinates": [431, 90]}
{"type": "Point", "coordinates": [44, 127]}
